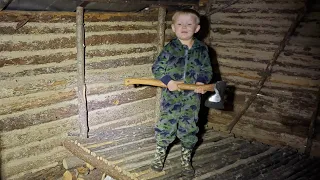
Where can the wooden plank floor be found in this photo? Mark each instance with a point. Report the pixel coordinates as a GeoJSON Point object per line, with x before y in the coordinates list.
{"type": "Point", "coordinates": [218, 156]}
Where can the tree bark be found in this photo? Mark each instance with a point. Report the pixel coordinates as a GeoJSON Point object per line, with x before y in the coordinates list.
{"type": "Point", "coordinates": [83, 112]}
{"type": "Point", "coordinates": [161, 37]}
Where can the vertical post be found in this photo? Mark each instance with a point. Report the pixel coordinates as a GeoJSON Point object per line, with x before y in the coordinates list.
{"type": "Point", "coordinates": [161, 37]}
{"type": "Point", "coordinates": [82, 100]}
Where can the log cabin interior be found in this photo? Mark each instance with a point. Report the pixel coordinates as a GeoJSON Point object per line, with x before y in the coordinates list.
{"type": "Point", "coordinates": [62, 69]}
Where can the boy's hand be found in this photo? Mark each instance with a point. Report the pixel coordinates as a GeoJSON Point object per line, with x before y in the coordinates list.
{"type": "Point", "coordinates": [199, 89]}
{"type": "Point", "coordinates": [173, 85]}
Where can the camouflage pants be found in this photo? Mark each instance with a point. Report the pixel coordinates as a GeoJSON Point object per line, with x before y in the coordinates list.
{"type": "Point", "coordinates": [178, 118]}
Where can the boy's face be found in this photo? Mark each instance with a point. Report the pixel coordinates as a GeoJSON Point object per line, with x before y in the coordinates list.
{"type": "Point", "coordinates": [184, 26]}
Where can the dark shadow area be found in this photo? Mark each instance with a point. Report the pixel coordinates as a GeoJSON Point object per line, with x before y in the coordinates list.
{"type": "Point", "coordinates": [230, 90]}
{"type": "Point", "coordinates": [229, 98]}
{"type": "Point", "coordinates": [203, 113]}
{"type": "Point", "coordinates": [204, 28]}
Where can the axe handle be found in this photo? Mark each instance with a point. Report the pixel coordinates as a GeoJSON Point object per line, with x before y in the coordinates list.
{"type": "Point", "coordinates": [155, 82]}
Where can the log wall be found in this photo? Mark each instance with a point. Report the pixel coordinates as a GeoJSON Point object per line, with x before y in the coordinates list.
{"type": "Point", "coordinates": [245, 36]}
{"type": "Point", "coordinates": [38, 82]}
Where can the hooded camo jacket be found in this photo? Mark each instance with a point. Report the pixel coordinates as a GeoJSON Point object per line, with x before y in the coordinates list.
{"type": "Point", "coordinates": [179, 63]}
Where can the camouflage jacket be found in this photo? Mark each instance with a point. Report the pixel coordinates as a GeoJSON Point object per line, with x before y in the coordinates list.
{"type": "Point", "coordinates": [178, 62]}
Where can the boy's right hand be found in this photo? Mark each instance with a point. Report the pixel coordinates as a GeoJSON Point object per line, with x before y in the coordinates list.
{"type": "Point", "coordinates": [173, 85]}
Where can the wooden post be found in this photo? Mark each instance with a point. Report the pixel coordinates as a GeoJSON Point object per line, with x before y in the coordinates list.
{"type": "Point", "coordinates": [83, 112]}
{"type": "Point", "coordinates": [161, 37]}
{"type": "Point", "coordinates": [312, 126]}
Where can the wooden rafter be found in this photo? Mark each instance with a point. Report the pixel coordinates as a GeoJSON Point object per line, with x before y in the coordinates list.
{"type": "Point", "coordinates": [4, 3]}
{"type": "Point", "coordinates": [168, 3]}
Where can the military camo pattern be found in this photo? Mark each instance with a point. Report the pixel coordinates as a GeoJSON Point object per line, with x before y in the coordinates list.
{"type": "Point", "coordinates": [179, 109]}
{"type": "Point", "coordinates": [186, 161]}
{"type": "Point", "coordinates": [159, 158]}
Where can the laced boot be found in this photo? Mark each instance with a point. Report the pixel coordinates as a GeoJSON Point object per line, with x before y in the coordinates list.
{"type": "Point", "coordinates": [159, 157]}
{"type": "Point", "coordinates": [187, 168]}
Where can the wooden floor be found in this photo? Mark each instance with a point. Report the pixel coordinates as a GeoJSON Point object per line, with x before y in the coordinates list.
{"type": "Point", "coordinates": [218, 156]}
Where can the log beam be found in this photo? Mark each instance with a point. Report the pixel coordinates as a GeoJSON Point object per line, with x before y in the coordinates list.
{"type": "Point", "coordinates": [167, 3]}
{"type": "Point", "coordinates": [98, 162]}
{"type": "Point", "coordinates": [161, 39]}
{"type": "Point", "coordinates": [81, 92]}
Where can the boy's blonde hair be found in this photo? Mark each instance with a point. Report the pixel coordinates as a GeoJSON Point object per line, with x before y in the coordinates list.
{"type": "Point", "coordinates": [186, 11]}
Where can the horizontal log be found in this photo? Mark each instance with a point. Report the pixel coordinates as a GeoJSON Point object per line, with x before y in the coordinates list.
{"type": "Point", "coordinates": [249, 31]}
{"type": "Point", "coordinates": [31, 149]}
{"type": "Point", "coordinates": [117, 74]}
{"type": "Point", "coordinates": [20, 165]}
{"type": "Point", "coordinates": [236, 45]}
{"type": "Point", "coordinates": [134, 120]}
{"type": "Point", "coordinates": [243, 53]}
{"type": "Point", "coordinates": [119, 135]}
{"type": "Point", "coordinates": [52, 17]}
{"type": "Point", "coordinates": [39, 71]}
{"type": "Point", "coordinates": [12, 105]}
{"type": "Point", "coordinates": [298, 60]}
{"type": "Point", "coordinates": [61, 55]}
{"type": "Point", "coordinates": [25, 119]}
{"type": "Point", "coordinates": [38, 132]}
{"type": "Point", "coordinates": [304, 72]}
{"type": "Point", "coordinates": [249, 39]}
{"type": "Point", "coordinates": [51, 171]}
{"type": "Point", "coordinates": [294, 80]}
{"type": "Point", "coordinates": [104, 101]}
{"type": "Point", "coordinates": [68, 41]}
{"type": "Point", "coordinates": [143, 2]}
{"type": "Point", "coordinates": [120, 111]}
{"type": "Point", "coordinates": [120, 62]}
{"type": "Point", "coordinates": [240, 65]}
{"type": "Point", "coordinates": [70, 67]}
{"type": "Point", "coordinates": [260, 10]}
{"type": "Point", "coordinates": [119, 50]}
{"type": "Point", "coordinates": [272, 126]}
{"type": "Point", "coordinates": [29, 85]}
{"type": "Point", "coordinates": [302, 41]}
{"type": "Point", "coordinates": [61, 28]}
{"type": "Point", "coordinates": [63, 110]}
{"type": "Point", "coordinates": [272, 138]}
{"type": "Point", "coordinates": [53, 57]}
{"type": "Point", "coordinates": [248, 19]}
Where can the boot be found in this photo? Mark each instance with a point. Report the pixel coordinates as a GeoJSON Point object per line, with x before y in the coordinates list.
{"type": "Point", "coordinates": [187, 168]}
{"type": "Point", "coordinates": [159, 157]}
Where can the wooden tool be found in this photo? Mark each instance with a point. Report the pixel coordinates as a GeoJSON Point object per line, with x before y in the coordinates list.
{"type": "Point", "coordinates": [158, 83]}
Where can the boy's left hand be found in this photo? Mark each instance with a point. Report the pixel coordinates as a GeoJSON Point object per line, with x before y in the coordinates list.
{"type": "Point", "coordinates": [199, 89]}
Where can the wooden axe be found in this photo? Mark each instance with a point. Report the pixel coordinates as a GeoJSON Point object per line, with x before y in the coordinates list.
{"type": "Point", "coordinates": [216, 101]}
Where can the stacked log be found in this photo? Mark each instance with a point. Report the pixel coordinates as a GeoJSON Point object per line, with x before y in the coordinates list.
{"type": "Point", "coordinates": [76, 169]}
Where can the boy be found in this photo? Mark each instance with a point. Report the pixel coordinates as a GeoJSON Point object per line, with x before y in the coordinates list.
{"type": "Point", "coordinates": [183, 60]}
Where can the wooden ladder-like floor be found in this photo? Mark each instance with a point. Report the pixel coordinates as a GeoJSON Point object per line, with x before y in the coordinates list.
{"type": "Point", "coordinates": [218, 156]}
